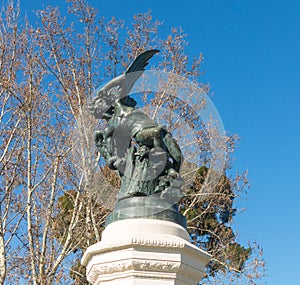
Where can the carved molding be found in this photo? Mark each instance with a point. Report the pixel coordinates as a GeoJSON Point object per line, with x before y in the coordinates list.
{"type": "Point", "coordinates": [132, 264]}
{"type": "Point", "coordinates": [166, 243]}
{"type": "Point", "coordinates": [147, 241]}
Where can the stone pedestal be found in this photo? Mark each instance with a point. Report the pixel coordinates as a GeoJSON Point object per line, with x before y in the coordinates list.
{"type": "Point", "coordinates": [144, 252]}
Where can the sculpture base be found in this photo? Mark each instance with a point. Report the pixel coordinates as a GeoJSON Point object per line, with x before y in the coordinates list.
{"type": "Point", "coordinates": [144, 252]}
{"type": "Point", "coordinates": [146, 207]}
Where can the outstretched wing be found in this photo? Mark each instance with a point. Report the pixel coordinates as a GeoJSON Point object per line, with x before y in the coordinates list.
{"type": "Point", "coordinates": [137, 67]}
{"type": "Point", "coordinates": [141, 61]}
{"type": "Point", "coordinates": [120, 86]}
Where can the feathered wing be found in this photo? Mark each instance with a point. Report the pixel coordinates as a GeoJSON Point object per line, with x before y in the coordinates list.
{"type": "Point", "coordinates": [141, 61]}
{"type": "Point", "coordinates": [136, 68]}
{"type": "Point", "coordinates": [120, 86]}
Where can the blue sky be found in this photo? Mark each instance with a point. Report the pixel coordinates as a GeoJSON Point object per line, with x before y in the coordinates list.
{"type": "Point", "coordinates": [252, 58]}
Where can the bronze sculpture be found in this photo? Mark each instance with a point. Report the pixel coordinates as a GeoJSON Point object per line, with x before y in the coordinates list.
{"type": "Point", "coordinates": [143, 153]}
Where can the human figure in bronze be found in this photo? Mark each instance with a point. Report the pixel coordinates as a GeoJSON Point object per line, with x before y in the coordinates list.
{"type": "Point", "coordinates": [143, 153]}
